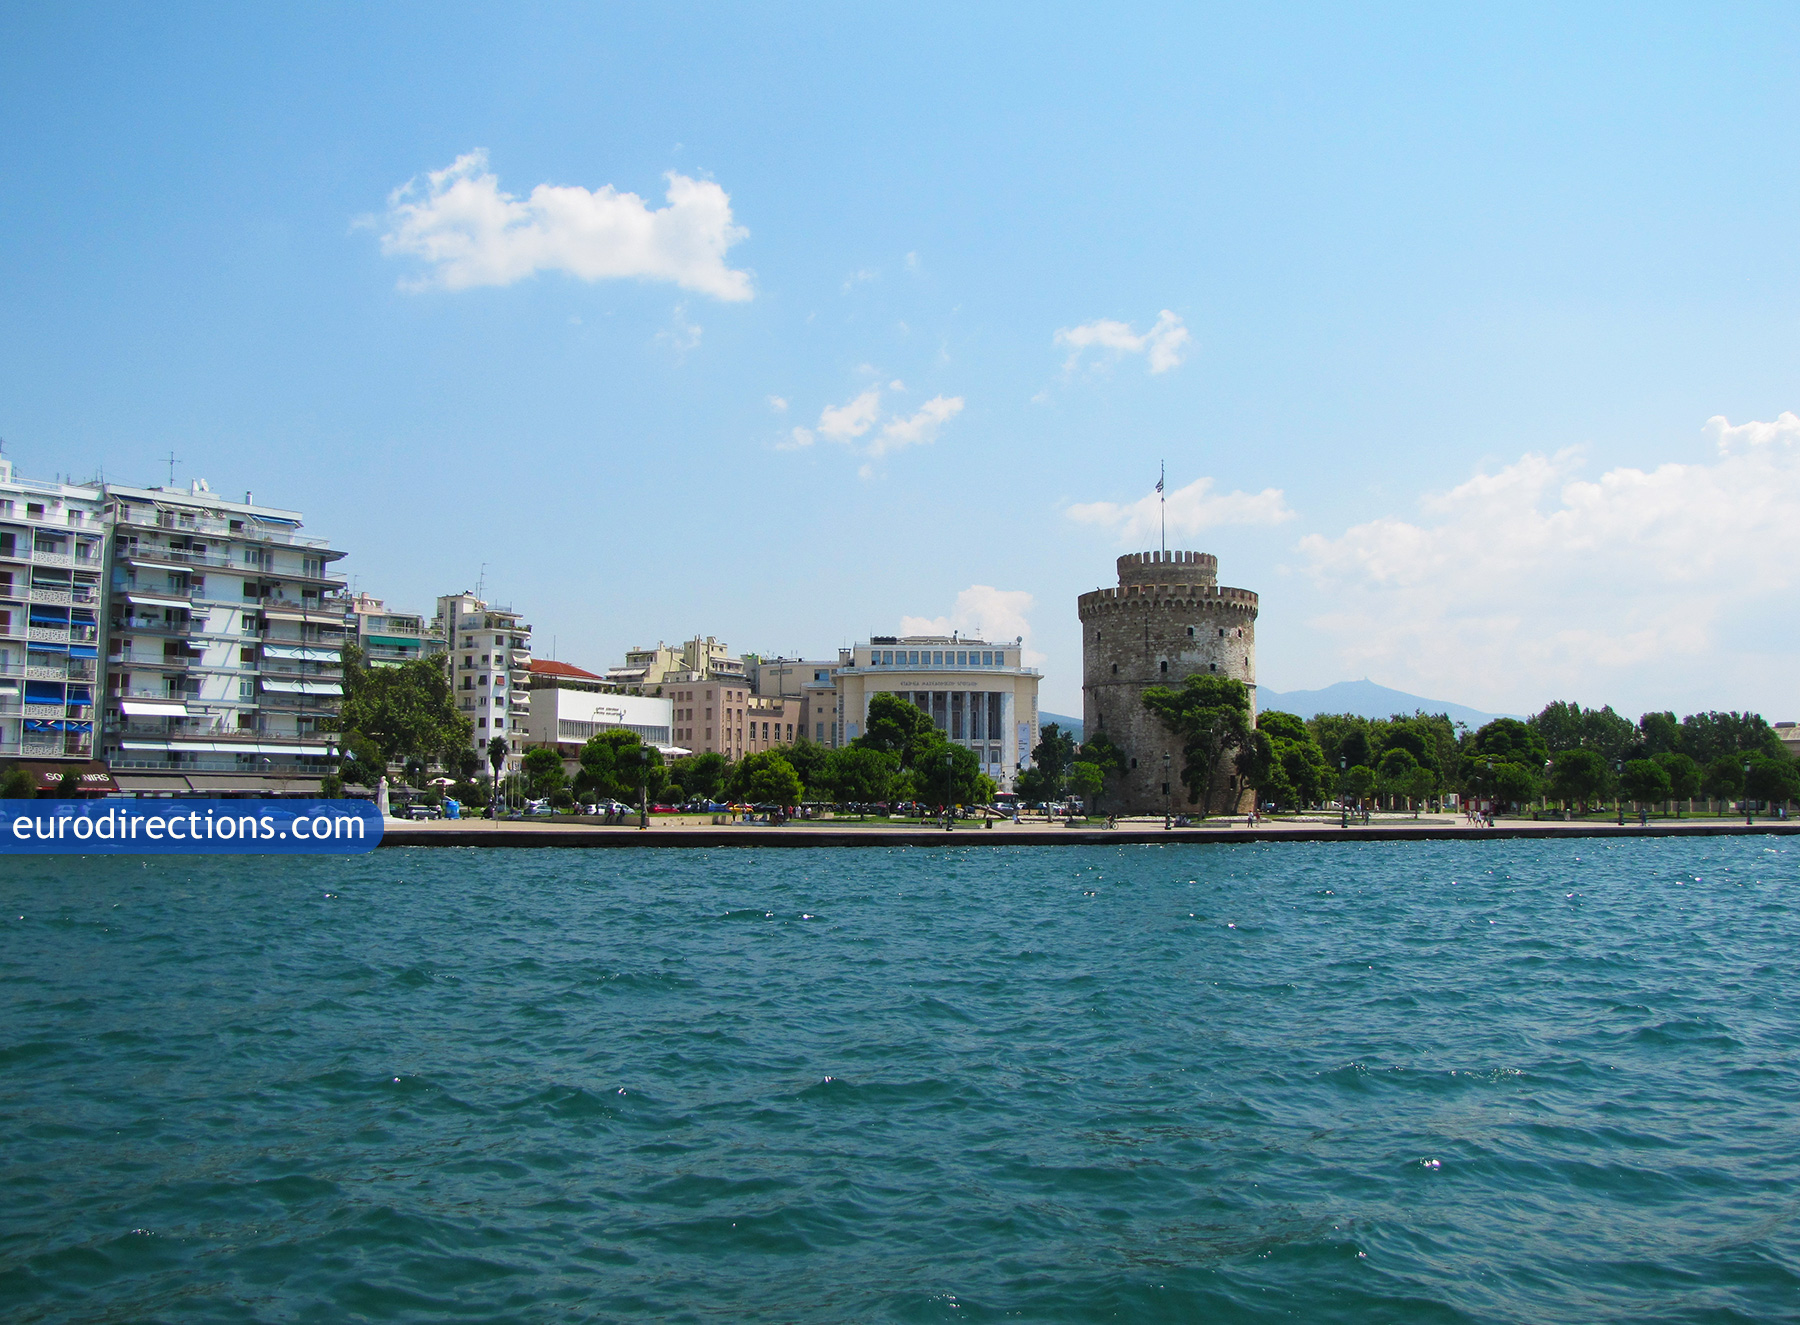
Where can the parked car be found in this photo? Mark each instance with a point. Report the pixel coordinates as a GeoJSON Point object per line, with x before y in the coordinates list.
{"type": "Point", "coordinates": [424, 812]}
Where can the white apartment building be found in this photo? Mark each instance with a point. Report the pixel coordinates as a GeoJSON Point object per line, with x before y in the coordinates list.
{"type": "Point", "coordinates": [490, 669]}
{"type": "Point", "coordinates": [52, 625]}
{"type": "Point", "coordinates": [224, 625]}
{"type": "Point", "coordinates": [978, 694]}
{"type": "Point", "coordinates": [387, 638]}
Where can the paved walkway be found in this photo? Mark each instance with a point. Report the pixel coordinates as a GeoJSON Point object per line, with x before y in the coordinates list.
{"type": "Point", "coordinates": [700, 831]}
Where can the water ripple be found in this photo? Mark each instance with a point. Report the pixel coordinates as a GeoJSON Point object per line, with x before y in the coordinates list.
{"type": "Point", "coordinates": [1533, 1081]}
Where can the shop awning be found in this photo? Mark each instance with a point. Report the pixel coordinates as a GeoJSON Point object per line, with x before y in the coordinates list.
{"type": "Point", "coordinates": [152, 600]}
{"type": "Point", "coordinates": [302, 687]}
{"type": "Point", "coordinates": [293, 653]}
{"type": "Point", "coordinates": [167, 785]}
{"type": "Point", "coordinates": [153, 708]}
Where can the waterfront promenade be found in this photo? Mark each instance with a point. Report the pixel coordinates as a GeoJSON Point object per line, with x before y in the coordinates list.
{"type": "Point", "coordinates": [700, 831]}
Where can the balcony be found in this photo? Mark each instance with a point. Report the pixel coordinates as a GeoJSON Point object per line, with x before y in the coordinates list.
{"type": "Point", "coordinates": [52, 558]}
{"type": "Point", "coordinates": [148, 625]}
{"type": "Point", "coordinates": [168, 556]}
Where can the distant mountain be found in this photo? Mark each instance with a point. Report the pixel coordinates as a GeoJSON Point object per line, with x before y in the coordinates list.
{"type": "Point", "coordinates": [1062, 720]}
{"type": "Point", "coordinates": [1368, 700]}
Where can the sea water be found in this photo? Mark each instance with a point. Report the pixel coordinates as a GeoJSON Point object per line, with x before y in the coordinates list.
{"type": "Point", "coordinates": [1503, 1081]}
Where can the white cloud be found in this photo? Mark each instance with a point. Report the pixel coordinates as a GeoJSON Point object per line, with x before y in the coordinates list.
{"type": "Point", "coordinates": [843, 422]}
{"type": "Point", "coordinates": [1533, 583]}
{"type": "Point", "coordinates": [983, 612]}
{"type": "Point", "coordinates": [1785, 430]}
{"type": "Point", "coordinates": [896, 385]}
{"type": "Point", "coordinates": [919, 429]}
{"type": "Point", "coordinates": [1190, 510]}
{"type": "Point", "coordinates": [1164, 343]}
{"type": "Point", "coordinates": [469, 233]}
{"type": "Point", "coordinates": [850, 422]}
{"type": "Point", "coordinates": [778, 404]}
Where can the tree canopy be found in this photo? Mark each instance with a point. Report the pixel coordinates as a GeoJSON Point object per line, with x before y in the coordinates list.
{"type": "Point", "coordinates": [1211, 715]}
{"type": "Point", "coordinates": [406, 711]}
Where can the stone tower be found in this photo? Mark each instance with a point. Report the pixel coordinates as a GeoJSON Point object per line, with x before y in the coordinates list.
{"type": "Point", "coordinates": [1167, 620]}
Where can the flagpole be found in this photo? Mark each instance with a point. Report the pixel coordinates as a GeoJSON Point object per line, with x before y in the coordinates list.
{"type": "Point", "coordinates": [1162, 501]}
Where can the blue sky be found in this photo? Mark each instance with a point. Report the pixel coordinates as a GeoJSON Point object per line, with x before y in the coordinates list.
{"type": "Point", "coordinates": [1467, 338]}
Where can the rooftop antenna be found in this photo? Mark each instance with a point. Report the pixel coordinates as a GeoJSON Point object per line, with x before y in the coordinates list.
{"type": "Point", "coordinates": [1162, 502]}
{"type": "Point", "coordinates": [172, 459]}
{"type": "Point", "coordinates": [481, 581]}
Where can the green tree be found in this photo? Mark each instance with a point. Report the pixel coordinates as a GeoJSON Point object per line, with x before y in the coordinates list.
{"type": "Point", "coordinates": [1659, 734]}
{"type": "Point", "coordinates": [1579, 777]}
{"type": "Point", "coordinates": [701, 775]}
{"type": "Point", "coordinates": [811, 762]}
{"type": "Point", "coordinates": [1645, 782]}
{"type": "Point", "coordinates": [859, 775]}
{"type": "Point", "coordinates": [405, 711]}
{"type": "Point", "coordinates": [1298, 775]}
{"type": "Point", "coordinates": [497, 750]}
{"type": "Point", "coordinates": [1502, 741]}
{"type": "Point", "coordinates": [894, 724]}
{"type": "Point", "coordinates": [361, 763]}
{"type": "Point", "coordinates": [1211, 715]}
{"type": "Point", "coordinates": [544, 771]}
{"type": "Point", "coordinates": [1516, 783]}
{"type": "Point", "coordinates": [1054, 755]}
{"type": "Point", "coordinates": [1086, 781]}
{"type": "Point", "coordinates": [1100, 751]}
{"type": "Point", "coordinates": [1418, 787]}
{"type": "Point", "coordinates": [1773, 778]}
{"type": "Point", "coordinates": [18, 785]}
{"type": "Point", "coordinates": [1395, 769]}
{"type": "Point", "coordinates": [1342, 736]}
{"type": "Point", "coordinates": [617, 765]}
{"type": "Point", "coordinates": [765, 777]}
{"type": "Point", "coordinates": [1706, 736]}
{"type": "Point", "coordinates": [1259, 768]}
{"type": "Point", "coordinates": [1723, 778]}
{"type": "Point", "coordinates": [1684, 774]}
{"type": "Point", "coordinates": [1357, 782]}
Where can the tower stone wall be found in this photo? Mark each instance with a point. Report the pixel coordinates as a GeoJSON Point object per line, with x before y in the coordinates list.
{"type": "Point", "coordinates": [1167, 620]}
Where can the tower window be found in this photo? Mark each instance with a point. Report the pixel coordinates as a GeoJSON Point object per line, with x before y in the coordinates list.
{"type": "Point", "coordinates": [1165, 667]}
{"type": "Point", "coordinates": [1115, 669]}
{"type": "Point", "coordinates": [1221, 634]}
{"type": "Point", "coordinates": [1190, 632]}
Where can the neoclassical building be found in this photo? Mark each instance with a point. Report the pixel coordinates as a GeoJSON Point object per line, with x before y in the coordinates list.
{"type": "Point", "coordinates": [1167, 619]}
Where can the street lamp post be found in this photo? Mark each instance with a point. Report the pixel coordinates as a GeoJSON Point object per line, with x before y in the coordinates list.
{"type": "Point", "coordinates": [1168, 796]}
{"type": "Point", "coordinates": [1343, 789]}
{"type": "Point", "coordinates": [1749, 816]}
{"type": "Point", "coordinates": [1619, 796]}
{"type": "Point", "coordinates": [949, 784]}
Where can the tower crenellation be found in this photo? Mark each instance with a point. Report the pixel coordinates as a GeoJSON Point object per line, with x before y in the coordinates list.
{"type": "Point", "coordinates": [1167, 619]}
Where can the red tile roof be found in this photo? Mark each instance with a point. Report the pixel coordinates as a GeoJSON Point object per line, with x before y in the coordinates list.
{"type": "Point", "coordinates": [547, 667]}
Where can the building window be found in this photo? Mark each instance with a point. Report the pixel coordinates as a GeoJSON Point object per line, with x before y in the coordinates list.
{"type": "Point", "coordinates": [482, 722]}
{"type": "Point", "coordinates": [1115, 669]}
{"type": "Point", "coordinates": [1165, 666]}
{"type": "Point", "coordinates": [246, 687]}
{"type": "Point", "coordinates": [499, 722]}
{"type": "Point", "coordinates": [819, 727]}
{"type": "Point", "coordinates": [1190, 632]}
